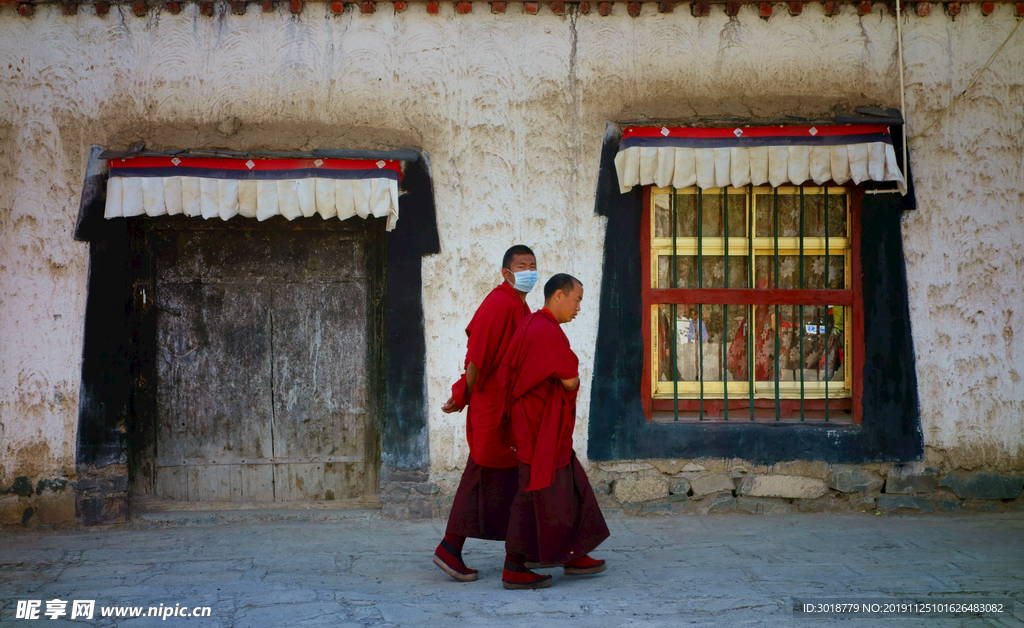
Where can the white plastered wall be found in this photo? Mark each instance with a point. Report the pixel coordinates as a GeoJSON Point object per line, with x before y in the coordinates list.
{"type": "Point", "coordinates": [512, 109]}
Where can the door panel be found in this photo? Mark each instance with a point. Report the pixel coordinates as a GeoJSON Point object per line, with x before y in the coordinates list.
{"type": "Point", "coordinates": [213, 402]}
{"type": "Point", "coordinates": [262, 353]}
{"type": "Point", "coordinates": [319, 368]}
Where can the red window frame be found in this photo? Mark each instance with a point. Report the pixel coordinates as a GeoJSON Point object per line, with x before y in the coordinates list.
{"type": "Point", "coordinates": [754, 296]}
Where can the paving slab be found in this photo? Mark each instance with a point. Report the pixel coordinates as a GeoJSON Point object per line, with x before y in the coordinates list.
{"type": "Point", "coordinates": [339, 571]}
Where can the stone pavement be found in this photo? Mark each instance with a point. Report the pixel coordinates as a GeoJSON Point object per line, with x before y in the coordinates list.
{"type": "Point", "coordinates": [355, 570]}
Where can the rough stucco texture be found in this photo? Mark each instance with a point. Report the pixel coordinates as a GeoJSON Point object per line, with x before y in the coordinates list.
{"type": "Point", "coordinates": [512, 110]}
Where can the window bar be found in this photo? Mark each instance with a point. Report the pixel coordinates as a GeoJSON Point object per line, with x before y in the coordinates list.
{"type": "Point", "coordinates": [778, 325]}
{"type": "Point", "coordinates": [803, 324]}
{"type": "Point", "coordinates": [698, 326]}
{"type": "Point", "coordinates": [751, 283]}
{"type": "Point", "coordinates": [675, 321]}
{"type": "Point", "coordinates": [725, 310]}
{"type": "Point", "coordinates": [827, 357]}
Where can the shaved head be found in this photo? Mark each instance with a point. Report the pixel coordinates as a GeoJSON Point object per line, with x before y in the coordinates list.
{"type": "Point", "coordinates": [562, 282]}
{"type": "Point", "coordinates": [510, 255]}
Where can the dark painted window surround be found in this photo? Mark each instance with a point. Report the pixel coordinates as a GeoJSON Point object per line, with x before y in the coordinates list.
{"type": "Point", "coordinates": [891, 425]}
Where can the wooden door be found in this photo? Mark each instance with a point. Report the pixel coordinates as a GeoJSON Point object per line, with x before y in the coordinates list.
{"type": "Point", "coordinates": [265, 361]}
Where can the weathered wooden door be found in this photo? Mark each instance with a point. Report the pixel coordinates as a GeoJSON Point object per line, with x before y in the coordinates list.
{"type": "Point", "coordinates": [266, 360]}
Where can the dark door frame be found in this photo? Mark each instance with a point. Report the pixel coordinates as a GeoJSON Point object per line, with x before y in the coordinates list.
{"type": "Point", "coordinates": [114, 344]}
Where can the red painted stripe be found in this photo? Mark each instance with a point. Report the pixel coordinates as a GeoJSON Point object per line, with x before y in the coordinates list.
{"type": "Point", "coordinates": [764, 131]}
{"type": "Point", "coordinates": [220, 163]}
{"type": "Point", "coordinates": [745, 296]}
{"type": "Point", "coordinates": [789, 407]}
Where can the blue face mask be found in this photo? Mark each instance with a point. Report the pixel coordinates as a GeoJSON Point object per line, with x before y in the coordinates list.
{"type": "Point", "coordinates": [525, 280]}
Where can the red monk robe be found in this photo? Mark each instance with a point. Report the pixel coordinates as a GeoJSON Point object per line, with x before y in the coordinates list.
{"type": "Point", "coordinates": [490, 481]}
{"type": "Point", "coordinates": [489, 332]}
{"type": "Point", "coordinates": [555, 517]}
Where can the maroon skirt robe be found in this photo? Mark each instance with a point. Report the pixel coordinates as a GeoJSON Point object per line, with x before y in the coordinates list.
{"type": "Point", "coordinates": [483, 502]}
{"type": "Point", "coordinates": [559, 523]}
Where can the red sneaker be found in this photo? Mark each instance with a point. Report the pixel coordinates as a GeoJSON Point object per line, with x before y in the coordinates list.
{"type": "Point", "coordinates": [583, 566]}
{"type": "Point", "coordinates": [516, 576]}
{"type": "Point", "coordinates": [450, 561]}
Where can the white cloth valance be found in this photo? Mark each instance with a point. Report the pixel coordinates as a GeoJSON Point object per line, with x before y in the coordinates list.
{"type": "Point", "coordinates": [714, 158]}
{"type": "Point", "coordinates": [261, 189]}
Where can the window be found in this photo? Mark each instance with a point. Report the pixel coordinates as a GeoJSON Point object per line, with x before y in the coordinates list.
{"type": "Point", "coordinates": [749, 303]}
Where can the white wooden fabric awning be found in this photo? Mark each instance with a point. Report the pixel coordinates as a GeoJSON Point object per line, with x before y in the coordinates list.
{"type": "Point", "coordinates": [720, 157]}
{"type": "Point", "coordinates": [253, 188]}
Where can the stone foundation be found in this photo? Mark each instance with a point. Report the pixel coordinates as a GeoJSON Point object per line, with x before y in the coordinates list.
{"type": "Point", "coordinates": [101, 494]}
{"type": "Point", "coordinates": [406, 494]}
{"type": "Point", "coordinates": [714, 486]}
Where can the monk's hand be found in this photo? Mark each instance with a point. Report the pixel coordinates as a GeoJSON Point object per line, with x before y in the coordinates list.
{"type": "Point", "coordinates": [450, 406]}
{"type": "Point", "coordinates": [570, 384]}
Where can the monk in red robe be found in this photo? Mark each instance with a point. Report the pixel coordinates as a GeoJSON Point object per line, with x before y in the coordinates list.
{"type": "Point", "coordinates": [491, 478]}
{"type": "Point", "coordinates": [555, 519]}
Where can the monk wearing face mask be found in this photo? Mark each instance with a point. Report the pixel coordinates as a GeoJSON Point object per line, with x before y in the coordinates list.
{"type": "Point", "coordinates": [491, 478]}
{"type": "Point", "coordinates": [555, 518]}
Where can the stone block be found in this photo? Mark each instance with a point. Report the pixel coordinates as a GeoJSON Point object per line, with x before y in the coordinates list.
{"type": "Point", "coordinates": [677, 498]}
{"type": "Point", "coordinates": [443, 505]}
{"type": "Point", "coordinates": [99, 510]}
{"type": "Point", "coordinates": [679, 486]}
{"type": "Point", "coordinates": [693, 467]}
{"type": "Point", "coordinates": [394, 511]}
{"type": "Point", "coordinates": [118, 483]}
{"type": "Point", "coordinates": [603, 487]}
{"type": "Point", "coordinates": [788, 486]}
{"type": "Point", "coordinates": [984, 485]}
{"type": "Point", "coordinates": [864, 502]}
{"type": "Point", "coordinates": [631, 508]}
{"type": "Point", "coordinates": [668, 467]}
{"type": "Point", "coordinates": [424, 488]}
{"type": "Point", "coordinates": [891, 503]}
{"type": "Point", "coordinates": [420, 508]}
{"type": "Point", "coordinates": [393, 496]}
{"type": "Point", "coordinates": [625, 467]}
{"type": "Point", "coordinates": [55, 509]}
{"type": "Point", "coordinates": [84, 485]}
{"type": "Point", "coordinates": [854, 480]}
{"type": "Point", "coordinates": [722, 503]}
{"type": "Point", "coordinates": [901, 483]}
{"type": "Point", "coordinates": [806, 468]}
{"type": "Point", "coordinates": [948, 505]}
{"type": "Point", "coordinates": [663, 509]}
{"type": "Point", "coordinates": [640, 489]}
{"type": "Point", "coordinates": [403, 475]}
{"type": "Point", "coordinates": [813, 505]}
{"type": "Point", "coordinates": [707, 483]}
{"type": "Point", "coordinates": [101, 485]}
{"type": "Point", "coordinates": [755, 506]}
{"type": "Point", "coordinates": [910, 478]}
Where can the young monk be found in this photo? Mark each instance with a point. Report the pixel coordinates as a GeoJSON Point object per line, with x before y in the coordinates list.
{"type": "Point", "coordinates": [555, 519]}
{"type": "Point", "coordinates": [491, 478]}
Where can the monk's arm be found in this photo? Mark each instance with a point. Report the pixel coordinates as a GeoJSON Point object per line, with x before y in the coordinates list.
{"type": "Point", "coordinates": [570, 384]}
{"type": "Point", "coordinates": [472, 374]}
